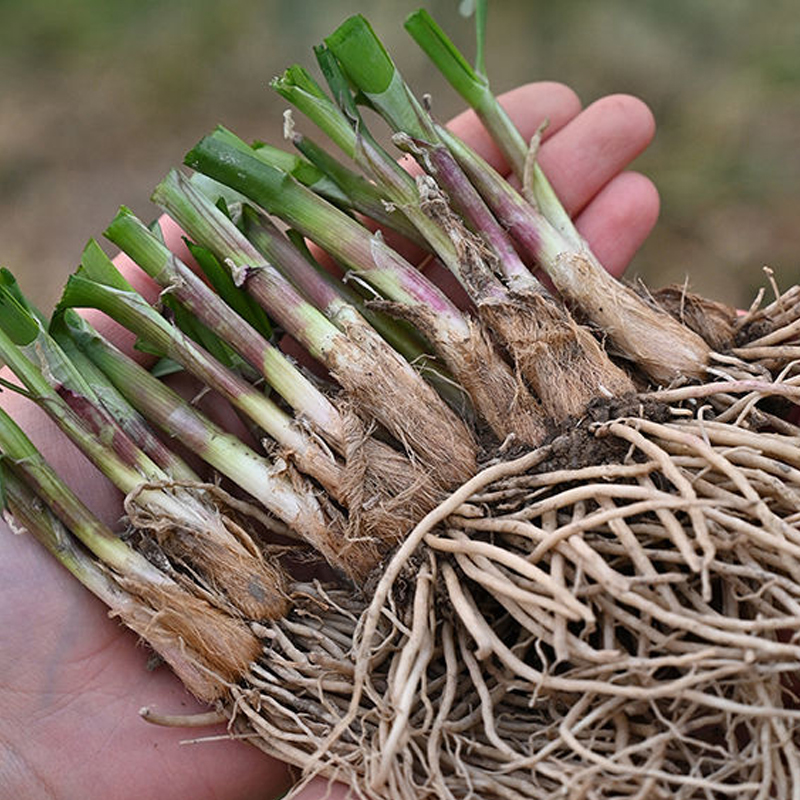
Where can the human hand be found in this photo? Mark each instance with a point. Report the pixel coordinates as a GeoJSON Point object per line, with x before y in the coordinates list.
{"type": "Point", "coordinates": [72, 680]}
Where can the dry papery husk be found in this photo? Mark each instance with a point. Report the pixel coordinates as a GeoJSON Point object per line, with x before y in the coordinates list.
{"type": "Point", "coordinates": [615, 613]}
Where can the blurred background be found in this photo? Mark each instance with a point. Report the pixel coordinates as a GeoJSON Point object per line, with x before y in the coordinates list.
{"type": "Point", "coordinates": [99, 98]}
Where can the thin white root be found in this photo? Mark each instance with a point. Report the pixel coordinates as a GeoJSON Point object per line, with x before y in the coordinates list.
{"type": "Point", "coordinates": [201, 719]}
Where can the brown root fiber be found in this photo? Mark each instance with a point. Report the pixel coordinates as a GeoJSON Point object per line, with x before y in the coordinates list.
{"type": "Point", "coordinates": [624, 625]}
{"type": "Point", "coordinates": [386, 493]}
{"type": "Point", "coordinates": [562, 361]}
{"type": "Point", "coordinates": [384, 388]}
{"type": "Point", "coordinates": [714, 322]}
{"type": "Point", "coordinates": [655, 342]}
{"type": "Point", "coordinates": [251, 584]}
{"type": "Point", "coordinates": [499, 396]}
{"type": "Point", "coordinates": [209, 650]}
{"type": "Point", "coordinates": [223, 556]}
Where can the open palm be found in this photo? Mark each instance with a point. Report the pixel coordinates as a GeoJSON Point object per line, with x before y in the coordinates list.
{"type": "Point", "coordinates": [72, 680]}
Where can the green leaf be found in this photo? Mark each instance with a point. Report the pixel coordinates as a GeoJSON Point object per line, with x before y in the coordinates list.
{"type": "Point", "coordinates": [200, 333]}
{"type": "Point", "coordinates": [300, 89]}
{"type": "Point", "coordinates": [481, 11]}
{"type": "Point", "coordinates": [144, 346]}
{"type": "Point", "coordinates": [214, 190]}
{"type": "Point", "coordinates": [222, 204]}
{"type": "Point", "coordinates": [271, 188]}
{"type": "Point", "coordinates": [222, 282]}
{"type": "Point", "coordinates": [299, 78]}
{"type": "Point", "coordinates": [165, 367]}
{"type": "Point", "coordinates": [369, 67]}
{"type": "Point", "coordinates": [155, 229]}
{"type": "Point", "coordinates": [97, 266]}
{"type": "Point", "coordinates": [8, 281]}
{"type": "Point", "coordinates": [366, 60]}
{"type": "Point", "coordinates": [19, 324]}
{"type": "Point", "coordinates": [426, 32]}
{"type": "Point", "coordinates": [337, 83]}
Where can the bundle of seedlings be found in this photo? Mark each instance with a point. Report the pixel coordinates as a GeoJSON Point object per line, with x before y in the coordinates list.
{"type": "Point", "coordinates": [544, 545]}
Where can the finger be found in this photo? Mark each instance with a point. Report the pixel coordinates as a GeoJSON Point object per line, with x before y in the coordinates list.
{"type": "Point", "coordinates": [595, 146]}
{"type": "Point", "coordinates": [619, 219]}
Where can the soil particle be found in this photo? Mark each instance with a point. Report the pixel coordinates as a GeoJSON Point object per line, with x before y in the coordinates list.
{"type": "Point", "coordinates": [753, 331]}
{"type": "Point", "coordinates": [575, 444]}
